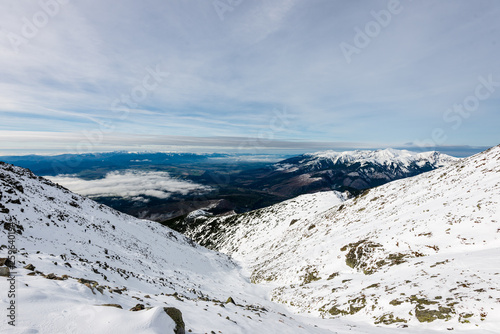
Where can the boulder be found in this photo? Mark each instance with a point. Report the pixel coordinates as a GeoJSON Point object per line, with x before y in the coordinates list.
{"type": "Point", "coordinates": [138, 307]}
{"type": "Point", "coordinates": [30, 267]}
{"type": "Point", "coordinates": [176, 316]}
{"type": "Point", "coordinates": [4, 271]}
{"type": "Point", "coordinates": [4, 261]}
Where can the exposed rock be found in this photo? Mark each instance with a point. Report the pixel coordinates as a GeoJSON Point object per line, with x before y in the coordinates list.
{"type": "Point", "coordinates": [113, 305]}
{"type": "Point", "coordinates": [388, 319]}
{"type": "Point", "coordinates": [91, 287]}
{"type": "Point", "coordinates": [86, 281]}
{"type": "Point", "coordinates": [51, 276]}
{"type": "Point", "coordinates": [138, 307]}
{"type": "Point", "coordinates": [6, 262]}
{"type": "Point", "coordinates": [425, 315]}
{"type": "Point", "coordinates": [176, 316]}
{"type": "Point", "coordinates": [30, 267]}
{"type": "Point", "coordinates": [4, 271]}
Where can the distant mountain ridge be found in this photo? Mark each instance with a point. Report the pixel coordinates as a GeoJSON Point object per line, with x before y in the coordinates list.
{"type": "Point", "coordinates": [381, 157]}
{"type": "Point", "coordinates": [239, 182]}
{"type": "Point", "coordinates": [350, 170]}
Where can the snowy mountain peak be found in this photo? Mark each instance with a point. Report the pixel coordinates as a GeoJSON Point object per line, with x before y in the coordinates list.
{"type": "Point", "coordinates": [381, 157]}
{"type": "Point", "coordinates": [350, 170]}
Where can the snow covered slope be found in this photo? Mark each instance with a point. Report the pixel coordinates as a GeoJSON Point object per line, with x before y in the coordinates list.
{"type": "Point", "coordinates": [80, 255]}
{"type": "Point", "coordinates": [422, 252]}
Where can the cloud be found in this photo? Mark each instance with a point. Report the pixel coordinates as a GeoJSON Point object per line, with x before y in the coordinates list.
{"type": "Point", "coordinates": [131, 184]}
{"type": "Point", "coordinates": [227, 76]}
{"type": "Point", "coordinates": [56, 142]}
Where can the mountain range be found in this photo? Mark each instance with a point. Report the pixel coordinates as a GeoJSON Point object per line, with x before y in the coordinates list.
{"type": "Point", "coordinates": [416, 250]}
{"type": "Point", "coordinates": [350, 170]}
{"type": "Point", "coordinates": [221, 183]}
{"type": "Point", "coordinates": [420, 253]}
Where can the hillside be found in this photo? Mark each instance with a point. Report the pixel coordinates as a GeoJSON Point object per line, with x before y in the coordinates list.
{"type": "Point", "coordinates": [76, 255]}
{"type": "Point", "coordinates": [422, 251]}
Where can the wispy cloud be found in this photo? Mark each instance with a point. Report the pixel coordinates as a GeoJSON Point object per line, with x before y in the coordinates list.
{"type": "Point", "coordinates": [226, 77]}
{"type": "Point", "coordinates": [130, 184]}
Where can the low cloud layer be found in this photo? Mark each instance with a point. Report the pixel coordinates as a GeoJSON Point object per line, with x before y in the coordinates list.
{"type": "Point", "coordinates": [130, 184]}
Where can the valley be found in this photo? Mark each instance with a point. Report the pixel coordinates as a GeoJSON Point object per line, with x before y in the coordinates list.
{"type": "Point", "coordinates": [417, 253]}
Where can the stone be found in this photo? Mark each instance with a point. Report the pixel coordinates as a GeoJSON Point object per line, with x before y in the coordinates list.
{"type": "Point", "coordinates": [176, 316]}
{"type": "Point", "coordinates": [86, 281]}
{"type": "Point", "coordinates": [4, 261]}
{"type": "Point", "coordinates": [138, 307]}
{"type": "Point", "coordinates": [4, 271]}
{"type": "Point", "coordinates": [29, 267]}
{"type": "Point", "coordinates": [113, 305]}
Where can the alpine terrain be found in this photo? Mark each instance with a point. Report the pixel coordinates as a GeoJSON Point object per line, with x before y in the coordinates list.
{"type": "Point", "coordinates": [420, 253]}
{"type": "Point", "coordinates": [72, 265]}
{"type": "Point", "coordinates": [423, 251]}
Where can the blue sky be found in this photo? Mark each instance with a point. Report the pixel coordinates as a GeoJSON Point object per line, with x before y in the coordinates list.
{"type": "Point", "coordinates": [247, 75]}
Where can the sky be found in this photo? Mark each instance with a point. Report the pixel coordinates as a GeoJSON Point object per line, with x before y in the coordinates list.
{"type": "Point", "coordinates": [248, 76]}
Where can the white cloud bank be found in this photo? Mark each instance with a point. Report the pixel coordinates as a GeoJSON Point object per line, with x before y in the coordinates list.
{"type": "Point", "coordinates": [130, 184]}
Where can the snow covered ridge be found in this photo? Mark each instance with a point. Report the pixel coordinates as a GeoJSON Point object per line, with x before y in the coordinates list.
{"type": "Point", "coordinates": [351, 170]}
{"type": "Point", "coordinates": [81, 266]}
{"type": "Point", "coordinates": [421, 252]}
{"type": "Point", "coordinates": [385, 157]}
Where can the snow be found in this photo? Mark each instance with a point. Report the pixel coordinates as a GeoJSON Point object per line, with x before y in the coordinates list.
{"type": "Point", "coordinates": [387, 157]}
{"type": "Point", "coordinates": [132, 261]}
{"type": "Point", "coordinates": [431, 242]}
{"type": "Point", "coordinates": [198, 213]}
{"type": "Point", "coordinates": [444, 224]}
{"type": "Point", "coordinates": [384, 157]}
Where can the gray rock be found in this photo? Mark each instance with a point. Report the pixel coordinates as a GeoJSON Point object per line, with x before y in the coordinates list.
{"type": "Point", "coordinates": [176, 315]}
{"type": "Point", "coordinates": [30, 267]}
{"type": "Point", "coordinates": [6, 262]}
{"type": "Point", "coordinates": [4, 271]}
{"type": "Point", "coordinates": [138, 307]}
